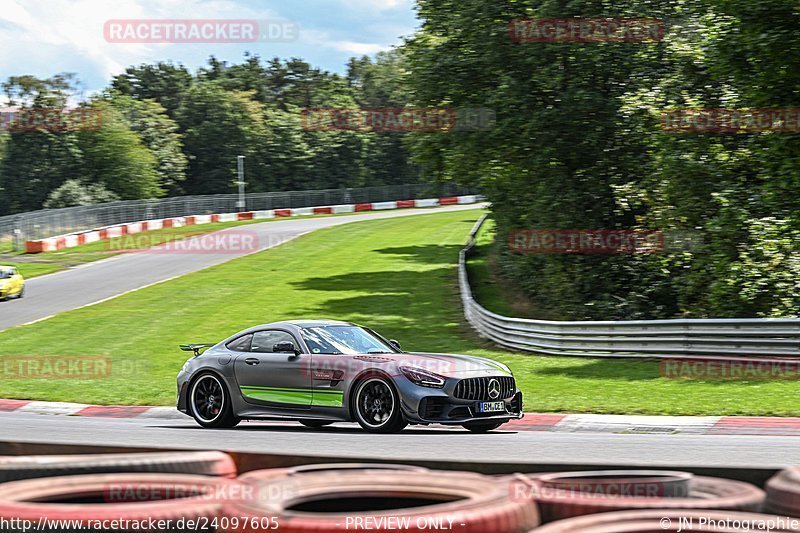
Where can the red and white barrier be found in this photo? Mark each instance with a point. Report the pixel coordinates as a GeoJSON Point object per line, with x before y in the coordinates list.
{"type": "Point", "coordinates": [151, 225]}
{"type": "Point", "coordinates": [345, 208]}
{"type": "Point", "coordinates": [52, 244]}
{"type": "Point", "coordinates": [427, 202]}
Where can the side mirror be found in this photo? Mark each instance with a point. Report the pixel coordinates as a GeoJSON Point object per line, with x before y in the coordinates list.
{"type": "Point", "coordinates": [396, 344]}
{"type": "Point", "coordinates": [284, 347]}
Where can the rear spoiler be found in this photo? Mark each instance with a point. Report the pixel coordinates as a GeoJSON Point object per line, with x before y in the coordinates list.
{"type": "Point", "coordinates": [196, 348]}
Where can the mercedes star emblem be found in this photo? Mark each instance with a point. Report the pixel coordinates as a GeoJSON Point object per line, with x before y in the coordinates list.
{"type": "Point", "coordinates": [494, 389]}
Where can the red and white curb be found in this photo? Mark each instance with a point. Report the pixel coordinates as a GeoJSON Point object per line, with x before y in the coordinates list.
{"type": "Point", "coordinates": [560, 423]}
{"type": "Point", "coordinates": [52, 244]}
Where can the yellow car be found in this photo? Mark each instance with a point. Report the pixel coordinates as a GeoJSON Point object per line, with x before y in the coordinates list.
{"type": "Point", "coordinates": [11, 283]}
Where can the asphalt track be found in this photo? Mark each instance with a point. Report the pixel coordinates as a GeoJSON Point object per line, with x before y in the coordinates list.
{"type": "Point", "coordinates": [62, 291]}
{"type": "Point", "coordinates": [434, 443]}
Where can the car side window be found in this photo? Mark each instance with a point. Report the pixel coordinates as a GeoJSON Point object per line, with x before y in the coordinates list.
{"type": "Point", "coordinates": [264, 341]}
{"type": "Point", "coordinates": [242, 344]}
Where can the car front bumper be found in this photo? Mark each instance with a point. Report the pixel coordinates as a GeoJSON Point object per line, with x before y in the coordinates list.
{"type": "Point", "coordinates": [423, 405]}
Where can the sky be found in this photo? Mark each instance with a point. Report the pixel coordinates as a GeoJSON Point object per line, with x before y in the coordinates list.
{"type": "Point", "coordinates": [46, 37]}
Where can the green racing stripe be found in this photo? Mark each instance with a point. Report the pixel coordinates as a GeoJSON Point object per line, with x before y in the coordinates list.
{"type": "Point", "coordinates": [322, 398]}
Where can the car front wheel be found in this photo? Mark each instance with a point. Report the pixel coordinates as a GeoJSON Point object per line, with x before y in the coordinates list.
{"type": "Point", "coordinates": [377, 407]}
{"type": "Point", "coordinates": [210, 403]}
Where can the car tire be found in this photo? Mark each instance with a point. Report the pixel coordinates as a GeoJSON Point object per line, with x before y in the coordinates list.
{"type": "Point", "coordinates": [210, 403]}
{"type": "Point", "coordinates": [376, 406]}
{"type": "Point", "coordinates": [783, 492]}
{"type": "Point", "coordinates": [662, 520]}
{"type": "Point", "coordinates": [315, 424]}
{"type": "Point", "coordinates": [324, 501]}
{"type": "Point", "coordinates": [482, 427]}
{"type": "Point", "coordinates": [95, 500]}
{"type": "Point", "coordinates": [704, 493]}
{"type": "Point", "coordinates": [21, 292]}
{"type": "Point", "coordinates": [216, 464]}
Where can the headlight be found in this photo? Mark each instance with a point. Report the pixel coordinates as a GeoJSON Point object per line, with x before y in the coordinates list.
{"type": "Point", "coordinates": [423, 378]}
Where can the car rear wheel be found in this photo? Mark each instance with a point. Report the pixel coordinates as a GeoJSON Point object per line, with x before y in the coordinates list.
{"type": "Point", "coordinates": [21, 292]}
{"type": "Point", "coordinates": [210, 403]}
{"type": "Point", "coordinates": [377, 407]}
{"type": "Point", "coordinates": [482, 427]}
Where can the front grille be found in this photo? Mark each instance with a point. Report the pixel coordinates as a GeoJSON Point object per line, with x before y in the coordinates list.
{"type": "Point", "coordinates": [478, 389]}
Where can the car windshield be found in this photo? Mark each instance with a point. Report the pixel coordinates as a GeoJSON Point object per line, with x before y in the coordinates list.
{"type": "Point", "coordinates": [6, 274]}
{"type": "Point", "coordinates": [348, 340]}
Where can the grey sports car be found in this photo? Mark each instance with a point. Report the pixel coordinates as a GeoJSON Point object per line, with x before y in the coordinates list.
{"type": "Point", "coordinates": [318, 372]}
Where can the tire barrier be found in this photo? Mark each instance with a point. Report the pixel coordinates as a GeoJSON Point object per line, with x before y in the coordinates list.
{"type": "Point", "coordinates": [260, 476]}
{"type": "Point", "coordinates": [383, 500]}
{"type": "Point", "coordinates": [216, 464]}
{"type": "Point", "coordinates": [115, 502]}
{"type": "Point", "coordinates": [783, 492]}
{"type": "Point", "coordinates": [556, 503]}
{"type": "Point", "coordinates": [669, 520]}
{"type": "Point", "coordinates": [647, 483]}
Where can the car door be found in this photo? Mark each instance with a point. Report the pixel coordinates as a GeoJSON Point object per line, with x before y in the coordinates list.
{"type": "Point", "coordinates": [15, 284]}
{"type": "Point", "coordinates": [274, 379]}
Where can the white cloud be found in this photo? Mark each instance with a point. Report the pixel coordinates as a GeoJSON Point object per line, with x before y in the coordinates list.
{"type": "Point", "coordinates": [45, 37]}
{"type": "Point", "coordinates": [378, 5]}
{"type": "Point", "coordinates": [323, 38]}
{"type": "Point", "coordinates": [357, 48]}
{"type": "Point", "coordinates": [60, 32]}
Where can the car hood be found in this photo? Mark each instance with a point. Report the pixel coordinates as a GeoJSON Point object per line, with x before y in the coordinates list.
{"type": "Point", "coordinates": [452, 365]}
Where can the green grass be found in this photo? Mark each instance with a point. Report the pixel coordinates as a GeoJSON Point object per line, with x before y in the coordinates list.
{"type": "Point", "coordinates": [32, 265]}
{"type": "Point", "coordinates": [396, 275]}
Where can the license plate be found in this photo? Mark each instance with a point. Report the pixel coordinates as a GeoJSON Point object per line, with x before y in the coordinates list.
{"type": "Point", "coordinates": [491, 407]}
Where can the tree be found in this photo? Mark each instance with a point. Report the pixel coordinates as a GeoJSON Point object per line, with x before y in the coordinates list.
{"type": "Point", "coordinates": [160, 135]}
{"type": "Point", "coordinates": [219, 126]}
{"type": "Point", "coordinates": [117, 158]}
{"type": "Point", "coordinates": [74, 193]}
{"type": "Point", "coordinates": [163, 82]}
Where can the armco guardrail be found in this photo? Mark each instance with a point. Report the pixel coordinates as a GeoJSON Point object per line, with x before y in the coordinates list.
{"type": "Point", "coordinates": [69, 240]}
{"type": "Point", "coordinates": [764, 337]}
{"type": "Point", "coordinates": [49, 222]}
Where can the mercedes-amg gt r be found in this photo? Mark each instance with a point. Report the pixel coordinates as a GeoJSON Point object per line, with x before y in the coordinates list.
{"type": "Point", "coordinates": [318, 372]}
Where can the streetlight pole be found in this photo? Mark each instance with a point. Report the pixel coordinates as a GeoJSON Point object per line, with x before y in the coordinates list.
{"type": "Point", "coordinates": [241, 205]}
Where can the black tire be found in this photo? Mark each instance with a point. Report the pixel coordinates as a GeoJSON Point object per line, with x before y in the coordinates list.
{"type": "Point", "coordinates": [215, 464]}
{"type": "Point", "coordinates": [316, 424]}
{"type": "Point", "coordinates": [95, 502]}
{"type": "Point", "coordinates": [376, 406]}
{"type": "Point", "coordinates": [21, 292]}
{"type": "Point", "coordinates": [482, 427]}
{"type": "Point", "coordinates": [210, 403]}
